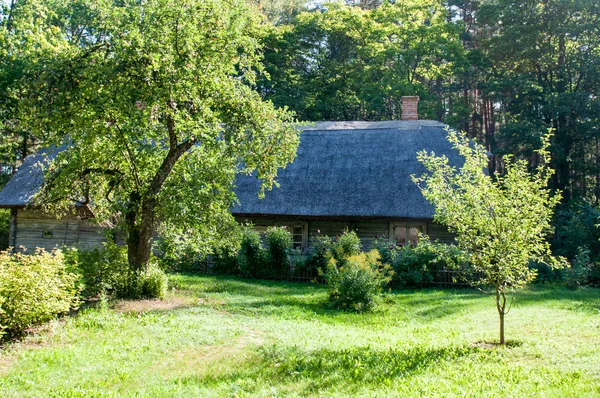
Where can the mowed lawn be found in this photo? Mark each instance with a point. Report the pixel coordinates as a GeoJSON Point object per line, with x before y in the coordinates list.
{"type": "Point", "coordinates": [215, 336]}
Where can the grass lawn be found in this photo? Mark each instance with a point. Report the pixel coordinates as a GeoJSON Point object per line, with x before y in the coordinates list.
{"type": "Point", "coordinates": [216, 336]}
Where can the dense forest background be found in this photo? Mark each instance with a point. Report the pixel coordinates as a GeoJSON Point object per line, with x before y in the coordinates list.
{"type": "Point", "coordinates": [504, 71]}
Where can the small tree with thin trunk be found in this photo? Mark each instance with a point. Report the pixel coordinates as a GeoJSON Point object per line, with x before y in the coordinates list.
{"type": "Point", "coordinates": [500, 221]}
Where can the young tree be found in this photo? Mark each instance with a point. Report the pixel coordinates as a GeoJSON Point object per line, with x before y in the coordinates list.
{"type": "Point", "coordinates": [153, 103]}
{"type": "Point", "coordinates": [500, 221]}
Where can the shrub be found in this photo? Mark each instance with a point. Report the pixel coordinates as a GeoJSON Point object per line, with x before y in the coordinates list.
{"type": "Point", "coordinates": [415, 265]}
{"type": "Point", "coordinates": [105, 269]}
{"type": "Point", "coordinates": [576, 226]}
{"type": "Point", "coordinates": [252, 258]}
{"type": "Point", "coordinates": [355, 284]}
{"type": "Point", "coordinates": [322, 246]}
{"type": "Point", "coordinates": [184, 260]}
{"type": "Point", "coordinates": [4, 228]}
{"type": "Point", "coordinates": [153, 282]}
{"type": "Point", "coordinates": [279, 241]}
{"type": "Point", "coordinates": [35, 289]}
{"type": "Point", "coordinates": [581, 268]}
{"type": "Point", "coordinates": [225, 261]}
{"type": "Point", "coordinates": [346, 245]}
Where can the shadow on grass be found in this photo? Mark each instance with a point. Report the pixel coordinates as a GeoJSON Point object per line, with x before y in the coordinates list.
{"type": "Point", "coordinates": [242, 286]}
{"type": "Point", "coordinates": [325, 368]}
{"type": "Point", "coordinates": [583, 299]}
{"type": "Point", "coordinates": [428, 303]}
{"type": "Point", "coordinates": [437, 303]}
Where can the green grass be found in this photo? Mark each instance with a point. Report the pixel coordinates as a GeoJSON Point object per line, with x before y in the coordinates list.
{"type": "Point", "coordinates": [228, 337]}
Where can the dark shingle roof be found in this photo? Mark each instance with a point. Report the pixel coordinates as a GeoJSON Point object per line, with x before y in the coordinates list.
{"type": "Point", "coordinates": [21, 188]}
{"type": "Point", "coordinates": [356, 169]}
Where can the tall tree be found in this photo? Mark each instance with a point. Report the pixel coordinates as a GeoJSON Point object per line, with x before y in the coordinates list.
{"type": "Point", "coordinates": [547, 55]}
{"type": "Point", "coordinates": [346, 63]}
{"type": "Point", "coordinates": [16, 139]}
{"type": "Point", "coordinates": [280, 11]}
{"type": "Point", "coordinates": [152, 103]}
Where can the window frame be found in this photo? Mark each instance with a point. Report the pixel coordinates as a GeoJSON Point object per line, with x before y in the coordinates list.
{"type": "Point", "coordinates": [422, 226]}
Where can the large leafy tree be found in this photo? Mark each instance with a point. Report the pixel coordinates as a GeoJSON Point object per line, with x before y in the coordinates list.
{"type": "Point", "coordinates": [547, 61]}
{"type": "Point", "coordinates": [348, 63]}
{"type": "Point", "coordinates": [16, 139]}
{"type": "Point", "coordinates": [152, 105]}
{"type": "Point", "coordinates": [500, 222]}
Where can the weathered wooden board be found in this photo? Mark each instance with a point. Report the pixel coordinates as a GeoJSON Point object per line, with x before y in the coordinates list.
{"type": "Point", "coordinates": [34, 229]}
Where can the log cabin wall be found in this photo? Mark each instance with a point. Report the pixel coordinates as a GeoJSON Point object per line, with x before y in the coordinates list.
{"type": "Point", "coordinates": [32, 228]}
{"type": "Point", "coordinates": [367, 230]}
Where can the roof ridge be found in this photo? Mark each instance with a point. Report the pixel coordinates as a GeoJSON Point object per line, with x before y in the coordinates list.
{"type": "Point", "coordinates": [381, 125]}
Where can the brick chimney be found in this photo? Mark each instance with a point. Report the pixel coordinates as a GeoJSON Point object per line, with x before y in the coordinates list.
{"type": "Point", "coordinates": [410, 107]}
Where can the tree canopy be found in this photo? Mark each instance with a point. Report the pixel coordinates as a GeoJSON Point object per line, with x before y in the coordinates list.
{"type": "Point", "coordinates": [153, 107]}
{"type": "Point", "coordinates": [504, 71]}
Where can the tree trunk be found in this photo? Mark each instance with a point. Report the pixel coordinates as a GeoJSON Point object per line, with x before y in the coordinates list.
{"type": "Point", "coordinates": [501, 307]}
{"type": "Point", "coordinates": [140, 217]}
{"type": "Point", "coordinates": [502, 341]}
{"type": "Point", "coordinates": [136, 253]}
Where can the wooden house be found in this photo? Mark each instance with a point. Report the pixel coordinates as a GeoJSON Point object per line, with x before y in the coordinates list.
{"type": "Point", "coordinates": [352, 175]}
{"type": "Point", "coordinates": [347, 175]}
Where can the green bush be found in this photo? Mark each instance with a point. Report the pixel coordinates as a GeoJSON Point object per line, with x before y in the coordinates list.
{"type": "Point", "coordinates": [279, 242]}
{"type": "Point", "coordinates": [355, 284]}
{"type": "Point", "coordinates": [4, 228]}
{"type": "Point", "coordinates": [153, 282]}
{"type": "Point", "coordinates": [105, 269]}
{"type": "Point", "coordinates": [581, 268]}
{"type": "Point", "coordinates": [322, 246]}
{"type": "Point", "coordinates": [416, 265]}
{"type": "Point", "coordinates": [186, 260]}
{"type": "Point", "coordinates": [252, 258]}
{"type": "Point", "coordinates": [35, 288]}
{"type": "Point", "coordinates": [345, 245]}
{"type": "Point", "coordinates": [577, 226]}
{"type": "Point", "coordinates": [225, 261]}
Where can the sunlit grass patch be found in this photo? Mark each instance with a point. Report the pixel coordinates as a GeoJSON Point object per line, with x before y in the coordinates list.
{"type": "Point", "coordinates": [216, 336]}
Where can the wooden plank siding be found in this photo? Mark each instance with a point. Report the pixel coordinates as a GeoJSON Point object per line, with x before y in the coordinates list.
{"type": "Point", "coordinates": [30, 226]}
{"type": "Point", "coordinates": [439, 232]}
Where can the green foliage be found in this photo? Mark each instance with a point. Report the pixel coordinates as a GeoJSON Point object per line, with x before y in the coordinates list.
{"type": "Point", "coordinates": [500, 222]}
{"type": "Point", "coordinates": [354, 284]}
{"type": "Point", "coordinates": [417, 265]}
{"type": "Point", "coordinates": [253, 258]}
{"type": "Point", "coordinates": [345, 245]}
{"type": "Point", "coordinates": [4, 228]}
{"type": "Point", "coordinates": [322, 246]}
{"type": "Point", "coordinates": [581, 269]}
{"type": "Point", "coordinates": [225, 261]}
{"type": "Point", "coordinates": [576, 227]}
{"type": "Point", "coordinates": [153, 282]}
{"type": "Point", "coordinates": [351, 64]}
{"type": "Point", "coordinates": [185, 259]}
{"type": "Point", "coordinates": [280, 11]}
{"type": "Point", "coordinates": [279, 243]}
{"type": "Point", "coordinates": [35, 288]}
{"type": "Point", "coordinates": [543, 52]}
{"type": "Point", "coordinates": [153, 103]}
{"type": "Point", "coordinates": [104, 270]}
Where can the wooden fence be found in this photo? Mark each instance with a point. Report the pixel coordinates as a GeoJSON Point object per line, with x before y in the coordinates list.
{"type": "Point", "coordinates": [441, 278]}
